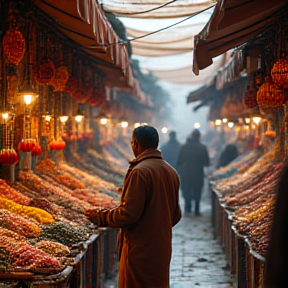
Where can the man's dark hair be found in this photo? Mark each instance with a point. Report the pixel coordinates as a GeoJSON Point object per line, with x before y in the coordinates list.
{"type": "Point", "coordinates": [172, 135]}
{"type": "Point", "coordinates": [147, 136]}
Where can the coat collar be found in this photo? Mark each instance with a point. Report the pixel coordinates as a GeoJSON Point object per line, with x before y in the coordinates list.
{"type": "Point", "coordinates": [146, 154]}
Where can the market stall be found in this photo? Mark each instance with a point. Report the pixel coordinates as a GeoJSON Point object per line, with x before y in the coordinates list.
{"type": "Point", "coordinates": [50, 168]}
{"type": "Point", "coordinates": [244, 191]}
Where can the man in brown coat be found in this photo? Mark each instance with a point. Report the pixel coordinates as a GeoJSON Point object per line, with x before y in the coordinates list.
{"type": "Point", "coordinates": [148, 209]}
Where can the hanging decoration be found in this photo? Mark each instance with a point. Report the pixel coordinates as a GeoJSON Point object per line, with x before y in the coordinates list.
{"type": "Point", "coordinates": [8, 156]}
{"type": "Point", "coordinates": [270, 95]}
{"type": "Point", "coordinates": [44, 71]}
{"type": "Point", "coordinates": [13, 46]}
{"type": "Point", "coordinates": [26, 145]}
{"type": "Point", "coordinates": [61, 74]}
{"type": "Point", "coordinates": [36, 150]}
{"type": "Point", "coordinates": [249, 98]}
{"type": "Point", "coordinates": [71, 86]}
{"type": "Point", "coordinates": [60, 78]}
{"type": "Point", "coordinates": [279, 72]}
{"type": "Point", "coordinates": [57, 144]}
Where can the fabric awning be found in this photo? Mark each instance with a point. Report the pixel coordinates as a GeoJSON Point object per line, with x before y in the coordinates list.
{"type": "Point", "coordinates": [232, 23]}
{"type": "Point", "coordinates": [183, 75]}
{"type": "Point", "coordinates": [95, 35]}
{"type": "Point", "coordinates": [155, 8]}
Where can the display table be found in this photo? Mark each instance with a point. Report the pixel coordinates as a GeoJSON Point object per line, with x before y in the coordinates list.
{"type": "Point", "coordinates": [95, 261]}
{"type": "Point", "coordinates": [246, 266]}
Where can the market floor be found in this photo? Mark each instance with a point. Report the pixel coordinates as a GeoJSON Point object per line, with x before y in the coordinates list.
{"type": "Point", "coordinates": [197, 258]}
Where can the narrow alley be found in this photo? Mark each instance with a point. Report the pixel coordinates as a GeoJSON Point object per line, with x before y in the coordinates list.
{"type": "Point", "coordinates": [197, 258]}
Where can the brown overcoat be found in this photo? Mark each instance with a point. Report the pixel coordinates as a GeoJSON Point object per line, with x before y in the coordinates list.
{"type": "Point", "coordinates": [148, 210]}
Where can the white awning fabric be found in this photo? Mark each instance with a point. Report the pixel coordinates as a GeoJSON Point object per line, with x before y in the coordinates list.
{"type": "Point", "coordinates": [155, 8]}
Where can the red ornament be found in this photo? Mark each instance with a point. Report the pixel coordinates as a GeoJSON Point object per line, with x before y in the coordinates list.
{"type": "Point", "coordinates": [249, 98]}
{"type": "Point", "coordinates": [57, 145]}
{"type": "Point", "coordinates": [60, 78]}
{"type": "Point", "coordinates": [8, 156]}
{"type": "Point", "coordinates": [26, 145]}
{"type": "Point", "coordinates": [44, 72]}
{"type": "Point", "coordinates": [13, 46]}
{"type": "Point", "coordinates": [270, 95]}
{"type": "Point", "coordinates": [36, 150]}
{"type": "Point", "coordinates": [71, 86]}
{"type": "Point", "coordinates": [279, 72]}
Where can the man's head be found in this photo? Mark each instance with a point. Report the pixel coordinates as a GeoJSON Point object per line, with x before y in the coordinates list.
{"type": "Point", "coordinates": [172, 135]}
{"type": "Point", "coordinates": [144, 137]}
{"type": "Point", "coordinates": [195, 134]}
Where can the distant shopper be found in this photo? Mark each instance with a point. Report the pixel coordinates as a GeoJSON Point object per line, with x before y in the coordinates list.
{"type": "Point", "coordinates": [170, 150]}
{"type": "Point", "coordinates": [229, 153]}
{"type": "Point", "coordinates": [276, 266]}
{"type": "Point", "coordinates": [193, 157]}
{"type": "Point", "coordinates": [148, 209]}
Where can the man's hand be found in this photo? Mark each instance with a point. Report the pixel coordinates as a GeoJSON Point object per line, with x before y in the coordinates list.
{"type": "Point", "coordinates": [97, 216]}
{"type": "Point", "coordinates": [93, 216]}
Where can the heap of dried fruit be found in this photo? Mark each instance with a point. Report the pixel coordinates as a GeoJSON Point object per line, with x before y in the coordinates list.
{"type": "Point", "coordinates": [19, 224]}
{"type": "Point", "coordinates": [64, 233]}
{"type": "Point", "coordinates": [53, 248]}
{"type": "Point", "coordinates": [12, 194]}
{"type": "Point", "coordinates": [32, 258]}
{"type": "Point", "coordinates": [36, 214]}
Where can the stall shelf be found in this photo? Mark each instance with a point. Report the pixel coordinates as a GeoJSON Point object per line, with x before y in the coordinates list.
{"type": "Point", "coordinates": [246, 266]}
{"type": "Point", "coordinates": [60, 280]}
{"type": "Point", "coordinates": [109, 260]}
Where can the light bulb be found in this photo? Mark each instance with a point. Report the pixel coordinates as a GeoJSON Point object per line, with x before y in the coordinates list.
{"type": "Point", "coordinates": [124, 124]}
{"type": "Point", "coordinates": [78, 118]}
{"type": "Point", "coordinates": [197, 125]}
{"type": "Point", "coordinates": [5, 116]}
{"type": "Point", "coordinates": [164, 130]}
{"type": "Point", "coordinates": [247, 120]}
{"type": "Point", "coordinates": [47, 118]}
{"type": "Point", "coordinates": [224, 120]}
{"type": "Point", "coordinates": [103, 121]}
{"type": "Point", "coordinates": [136, 125]}
{"type": "Point", "coordinates": [218, 122]}
{"type": "Point", "coordinates": [28, 99]}
{"type": "Point", "coordinates": [256, 120]}
{"type": "Point", "coordinates": [230, 124]}
{"type": "Point", "coordinates": [63, 119]}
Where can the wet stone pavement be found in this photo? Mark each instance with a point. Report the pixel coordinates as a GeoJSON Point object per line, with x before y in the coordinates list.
{"type": "Point", "coordinates": [197, 258]}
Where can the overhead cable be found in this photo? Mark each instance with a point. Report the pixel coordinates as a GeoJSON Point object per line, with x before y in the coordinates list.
{"type": "Point", "coordinates": [141, 12]}
{"type": "Point", "coordinates": [157, 31]}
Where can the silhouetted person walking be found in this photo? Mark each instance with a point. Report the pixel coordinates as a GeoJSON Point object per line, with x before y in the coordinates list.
{"type": "Point", "coordinates": [170, 150]}
{"type": "Point", "coordinates": [227, 155]}
{"type": "Point", "coordinates": [193, 157]}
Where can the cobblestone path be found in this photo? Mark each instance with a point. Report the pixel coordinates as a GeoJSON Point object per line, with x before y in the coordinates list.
{"type": "Point", "coordinates": [197, 258]}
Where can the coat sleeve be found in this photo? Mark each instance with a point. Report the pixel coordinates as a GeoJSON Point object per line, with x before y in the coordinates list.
{"type": "Point", "coordinates": [207, 159]}
{"type": "Point", "coordinates": [131, 206]}
{"type": "Point", "coordinates": [177, 210]}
